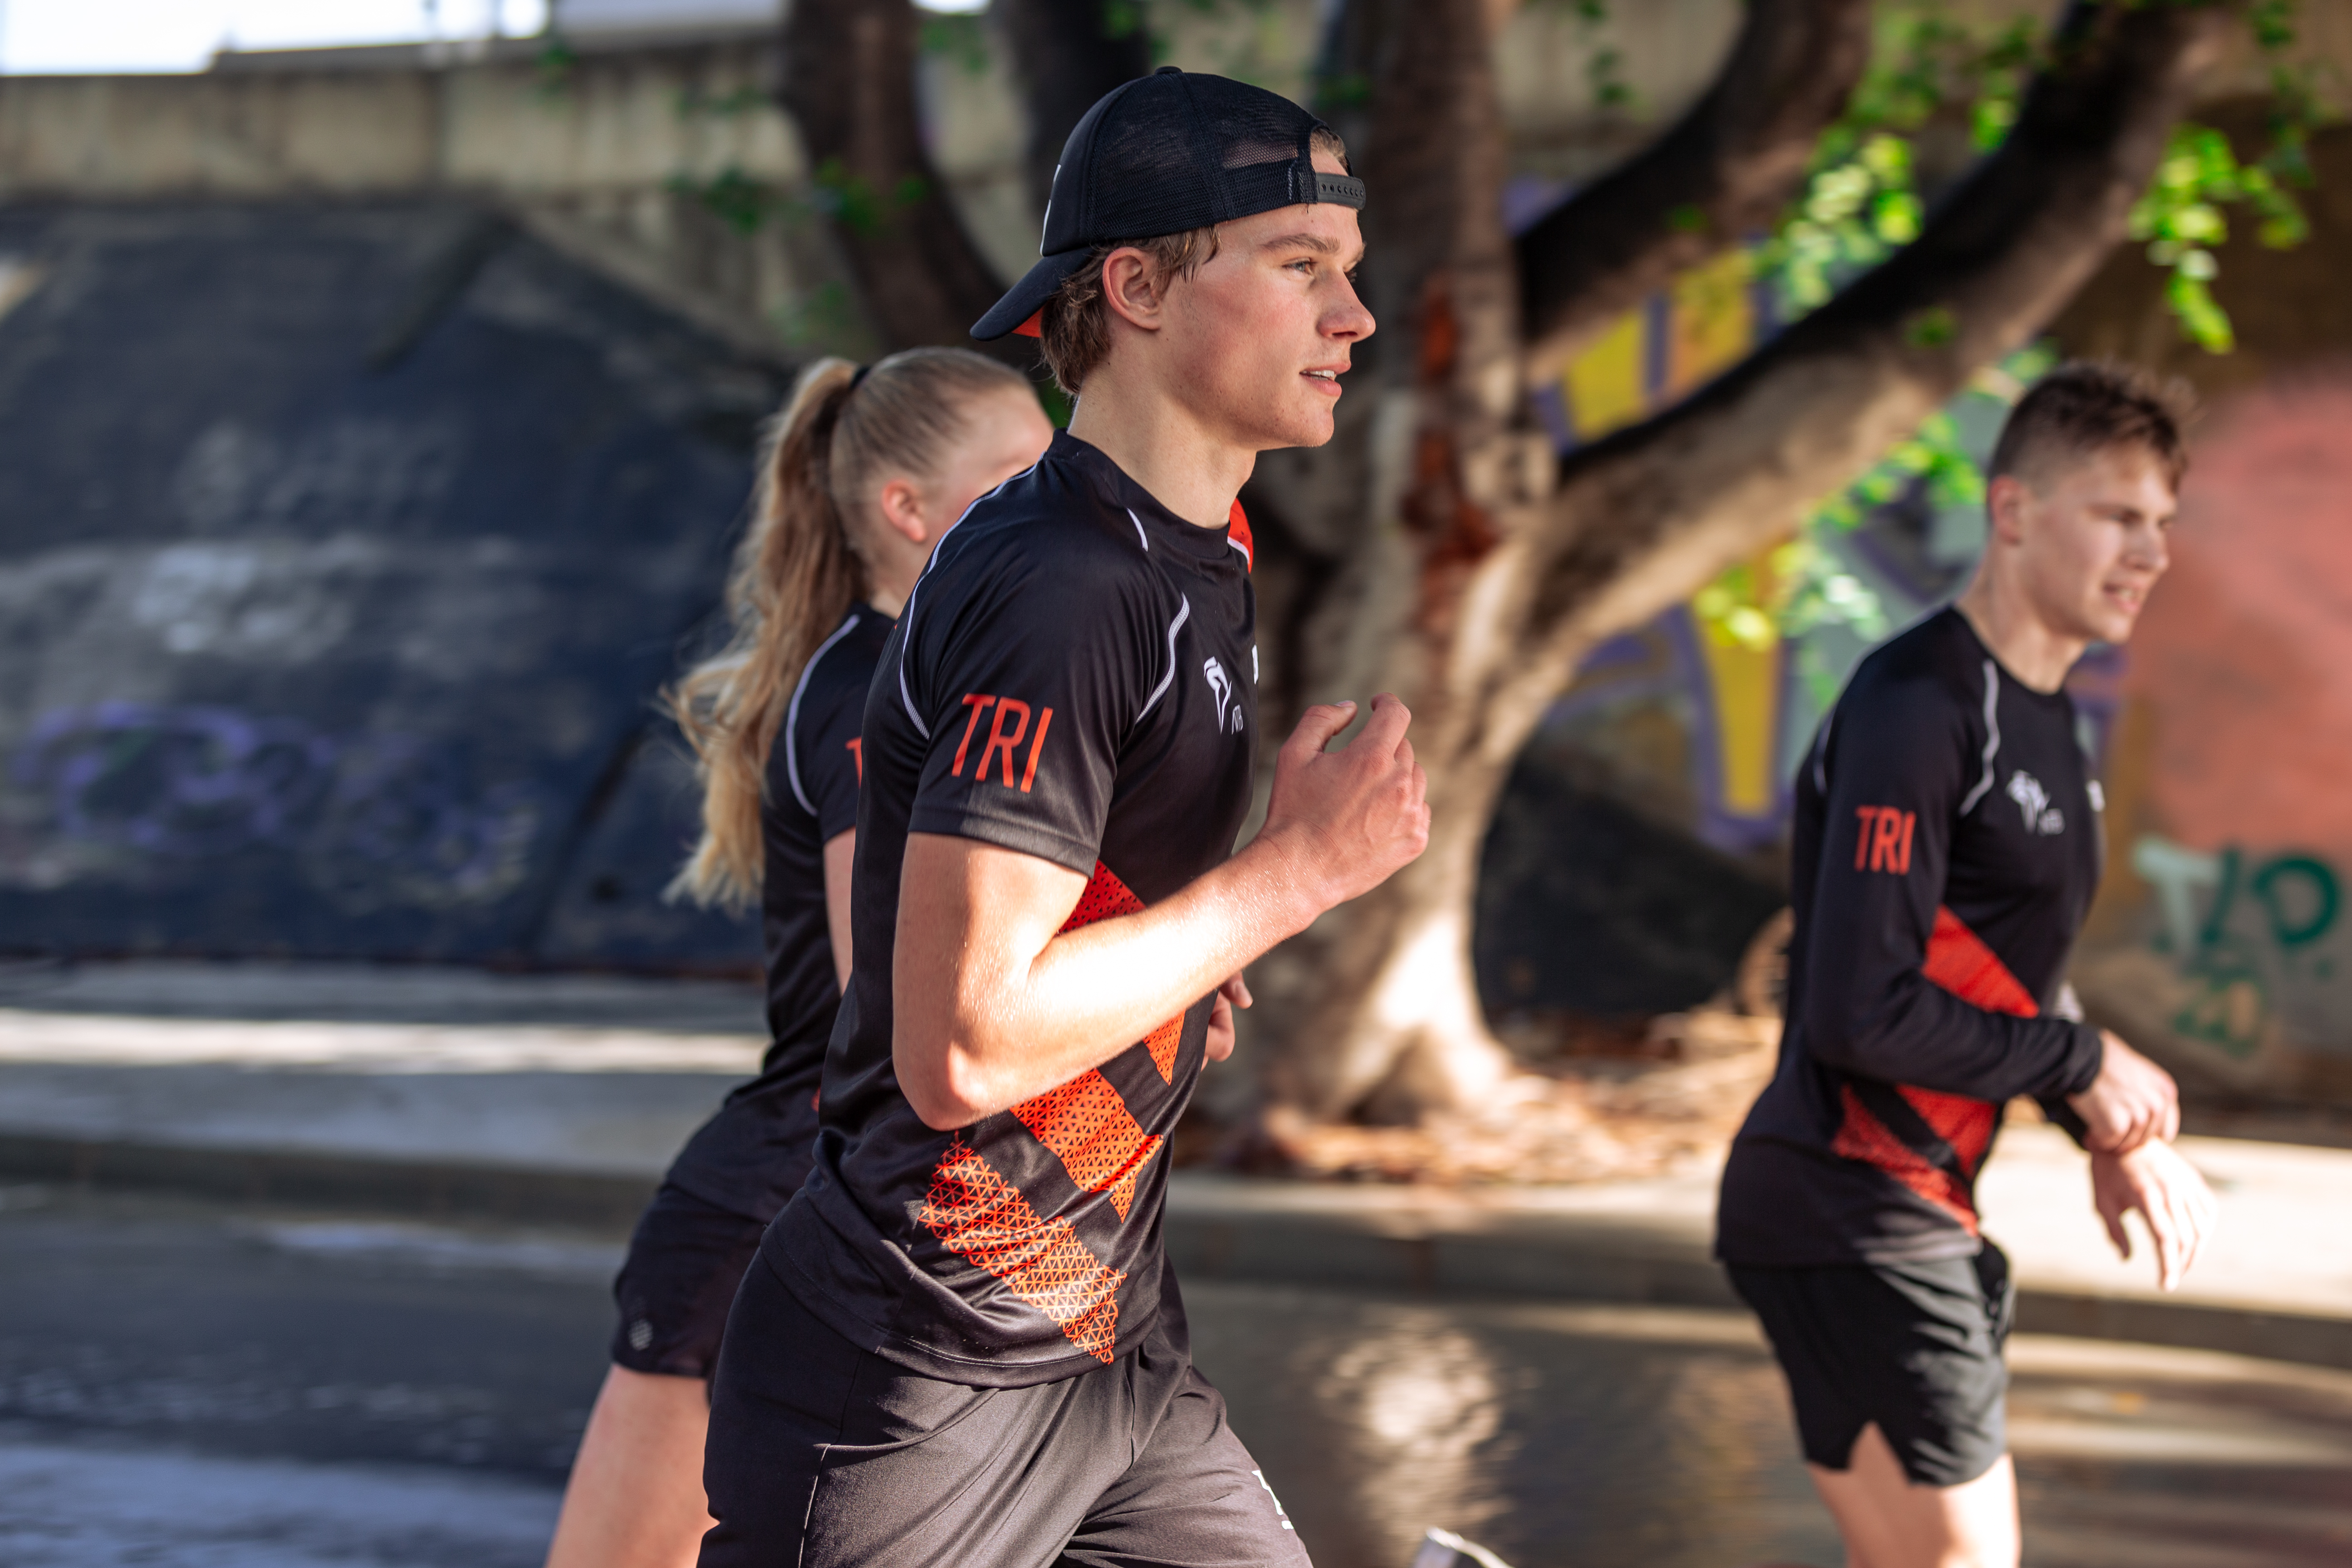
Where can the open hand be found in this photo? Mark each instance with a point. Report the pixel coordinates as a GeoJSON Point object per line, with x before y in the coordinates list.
{"type": "Point", "coordinates": [1353, 816]}
{"type": "Point", "coordinates": [2131, 1102]}
{"type": "Point", "coordinates": [1234, 993]}
{"type": "Point", "coordinates": [2168, 1194]}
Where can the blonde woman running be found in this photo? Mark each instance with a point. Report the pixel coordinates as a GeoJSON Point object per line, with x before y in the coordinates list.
{"type": "Point", "coordinates": [859, 477]}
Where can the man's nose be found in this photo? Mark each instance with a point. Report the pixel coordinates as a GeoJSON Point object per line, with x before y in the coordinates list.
{"type": "Point", "coordinates": [1350, 319]}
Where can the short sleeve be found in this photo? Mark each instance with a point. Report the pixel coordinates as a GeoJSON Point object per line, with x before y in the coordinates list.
{"type": "Point", "coordinates": [828, 754]}
{"type": "Point", "coordinates": [1026, 691]}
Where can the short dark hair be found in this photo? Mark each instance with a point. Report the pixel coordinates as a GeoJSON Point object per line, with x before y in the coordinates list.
{"type": "Point", "coordinates": [2087, 406]}
{"type": "Point", "coordinates": [1073, 328]}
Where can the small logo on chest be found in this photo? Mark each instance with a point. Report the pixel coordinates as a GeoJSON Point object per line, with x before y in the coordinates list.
{"type": "Point", "coordinates": [2034, 803]}
{"type": "Point", "coordinates": [1220, 686]}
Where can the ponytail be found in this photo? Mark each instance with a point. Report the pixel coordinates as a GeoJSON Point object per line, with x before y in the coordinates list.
{"type": "Point", "coordinates": [797, 573]}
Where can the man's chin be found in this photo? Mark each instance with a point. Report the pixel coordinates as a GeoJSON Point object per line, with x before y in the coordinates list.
{"type": "Point", "coordinates": [2110, 629]}
{"type": "Point", "coordinates": [1308, 430]}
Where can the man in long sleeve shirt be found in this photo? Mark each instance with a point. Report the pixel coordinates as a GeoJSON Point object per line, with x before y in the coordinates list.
{"type": "Point", "coordinates": [1946, 848]}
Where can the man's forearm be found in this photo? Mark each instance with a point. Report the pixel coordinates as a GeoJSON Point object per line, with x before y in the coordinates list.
{"type": "Point", "coordinates": [994, 1008]}
{"type": "Point", "coordinates": [1916, 1033]}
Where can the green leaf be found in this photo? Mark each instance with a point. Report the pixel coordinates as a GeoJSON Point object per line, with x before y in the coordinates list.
{"type": "Point", "coordinates": [1931, 328]}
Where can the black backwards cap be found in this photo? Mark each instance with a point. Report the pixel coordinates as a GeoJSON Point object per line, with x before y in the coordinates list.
{"type": "Point", "coordinates": [1164, 153]}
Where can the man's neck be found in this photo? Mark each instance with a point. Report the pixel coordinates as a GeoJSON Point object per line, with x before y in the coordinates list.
{"type": "Point", "coordinates": [2023, 642]}
{"type": "Point", "coordinates": [1161, 446]}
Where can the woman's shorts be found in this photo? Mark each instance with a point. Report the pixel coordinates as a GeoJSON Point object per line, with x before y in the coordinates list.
{"type": "Point", "coordinates": [704, 1226]}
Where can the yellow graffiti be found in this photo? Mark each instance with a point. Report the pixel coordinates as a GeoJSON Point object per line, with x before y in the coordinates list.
{"type": "Point", "coordinates": [1713, 312]}
{"type": "Point", "coordinates": [1605, 383]}
{"type": "Point", "coordinates": [1746, 680]}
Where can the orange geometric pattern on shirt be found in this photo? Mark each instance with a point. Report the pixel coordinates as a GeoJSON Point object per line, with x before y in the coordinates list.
{"type": "Point", "coordinates": [983, 1219]}
{"type": "Point", "coordinates": [1957, 962]}
{"type": "Point", "coordinates": [1088, 1125]}
{"type": "Point", "coordinates": [1862, 1136]}
{"type": "Point", "coordinates": [1106, 898]}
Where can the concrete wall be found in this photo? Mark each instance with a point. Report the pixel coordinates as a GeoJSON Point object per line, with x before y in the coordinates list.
{"type": "Point", "coordinates": [608, 155]}
{"type": "Point", "coordinates": [345, 544]}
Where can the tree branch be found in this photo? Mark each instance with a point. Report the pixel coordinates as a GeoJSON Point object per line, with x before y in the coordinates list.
{"type": "Point", "coordinates": [1643, 519]}
{"type": "Point", "coordinates": [849, 85]}
{"type": "Point", "coordinates": [1067, 53]}
{"type": "Point", "coordinates": [1724, 173]}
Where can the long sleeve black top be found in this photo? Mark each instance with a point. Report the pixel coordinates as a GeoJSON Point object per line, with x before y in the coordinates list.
{"type": "Point", "coordinates": [1944, 849]}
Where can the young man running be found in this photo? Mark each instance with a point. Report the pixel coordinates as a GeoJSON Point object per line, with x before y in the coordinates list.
{"type": "Point", "coordinates": [960, 1341]}
{"type": "Point", "coordinates": [1946, 848]}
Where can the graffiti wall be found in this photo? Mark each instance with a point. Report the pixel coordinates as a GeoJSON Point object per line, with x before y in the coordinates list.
{"type": "Point", "coordinates": [2220, 940]}
{"type": "Point", "coordinates": [1743, 710]}
{"type": "Point", "coordinates": [342, 550]}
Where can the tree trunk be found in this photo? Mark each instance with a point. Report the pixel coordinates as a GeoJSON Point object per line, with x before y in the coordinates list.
{"type": "Point", "coordinates": [849, 85]}
{"type": "Point", "coordinates": [1382, 990]}
{"type": "Point", "coordinates": [1067, 54]}
{"type": "Point", "coordinates": [1722, 175]}
{"type": "Point", "coordinates": [1481, 573]}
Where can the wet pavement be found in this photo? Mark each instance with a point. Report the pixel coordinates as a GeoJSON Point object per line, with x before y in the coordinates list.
{"type": "Point", "coordinates": [200, 1386]}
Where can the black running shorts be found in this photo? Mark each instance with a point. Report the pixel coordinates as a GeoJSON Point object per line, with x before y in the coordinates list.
{"type": "Point", "coordinates": [696, 1238]}
{"type": "Point", "coordinates": [824, 1456]}
{"type": "Point", "coordinates": [1913, 1347]}
{"type": "Point", "coordinates": [684, 1260]}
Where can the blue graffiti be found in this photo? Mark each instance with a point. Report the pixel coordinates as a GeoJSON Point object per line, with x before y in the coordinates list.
{"type": "Point", "coordinates": [370, 813]}
{"type": "Point", "coordinates": [175, 781]}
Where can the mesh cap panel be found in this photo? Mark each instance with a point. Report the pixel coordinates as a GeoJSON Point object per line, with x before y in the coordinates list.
{"type": "Point", "coordinates": [1162, 154]}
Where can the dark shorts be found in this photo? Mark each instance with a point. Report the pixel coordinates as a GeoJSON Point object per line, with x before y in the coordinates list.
{"type": "Point", "coordinates": [824, 1456]}
{"type": "Point", "coordinates": [1914, 1348]}
{"type": "Point", "coordinates": [696, 1238]}
{"type": "Point", "coordinates": [684, 1263]}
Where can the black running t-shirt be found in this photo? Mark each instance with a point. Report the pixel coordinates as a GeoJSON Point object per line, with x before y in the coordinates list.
{"type": "Point", "coordinates": [812, 798]}
{"type": "Point", "coordinates": [1946, 848]}
{"type": "Point", "coordinates": [1073, 679]}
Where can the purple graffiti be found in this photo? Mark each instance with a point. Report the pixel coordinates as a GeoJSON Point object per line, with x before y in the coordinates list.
{"type": "Point", "coordinates": [176, 781]}
{"type": "Point", "coordinates": [191, 782]}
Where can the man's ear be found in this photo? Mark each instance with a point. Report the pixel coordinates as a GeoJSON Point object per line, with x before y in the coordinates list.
{"type": "Point", "coordinates": [900, 503]}
{"type": "Point", "coordinates": [2006, 499]}
{"type": "Point", "coordinates": [1134, 289]}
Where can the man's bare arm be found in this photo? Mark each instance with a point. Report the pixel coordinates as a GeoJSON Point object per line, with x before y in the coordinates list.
{"type": "Point", "coordinates": [993, 1006]}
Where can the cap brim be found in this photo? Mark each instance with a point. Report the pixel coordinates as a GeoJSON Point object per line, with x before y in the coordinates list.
{"type": "Point", "coordinates": [1027, 298]}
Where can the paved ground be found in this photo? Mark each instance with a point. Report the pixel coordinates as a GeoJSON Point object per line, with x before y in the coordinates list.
{"type": "Point", "coordinates": [597, 1079]}
{"type": "Point", "coordinates": [189, 1386]}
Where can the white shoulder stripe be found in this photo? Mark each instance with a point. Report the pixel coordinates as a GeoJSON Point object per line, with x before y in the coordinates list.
{"type": "Point", "coordinates": [1247, 559]}
{"type": "Point", "coordinates": [792, 712]}
{"type": "Point", "coordinates": [1183, 613]}
{"type": "Point", "coordinates": [907, 615]}
{"type": "Point", "coordinates": [906, 630]}
{"type": "Point", "coordinates": [1992, 736]}
{"type": "Point", "coordinates": [1139, 539]}
{"type": "Point", "coordinates": [1822, 753]}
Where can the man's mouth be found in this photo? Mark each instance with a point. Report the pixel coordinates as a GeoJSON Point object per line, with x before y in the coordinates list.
{"type": "Point", "coordinates": [1324, 378]}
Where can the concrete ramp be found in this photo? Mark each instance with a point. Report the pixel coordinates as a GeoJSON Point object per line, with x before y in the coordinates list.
{"type": "Point", "coordinates": [342, 549]}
